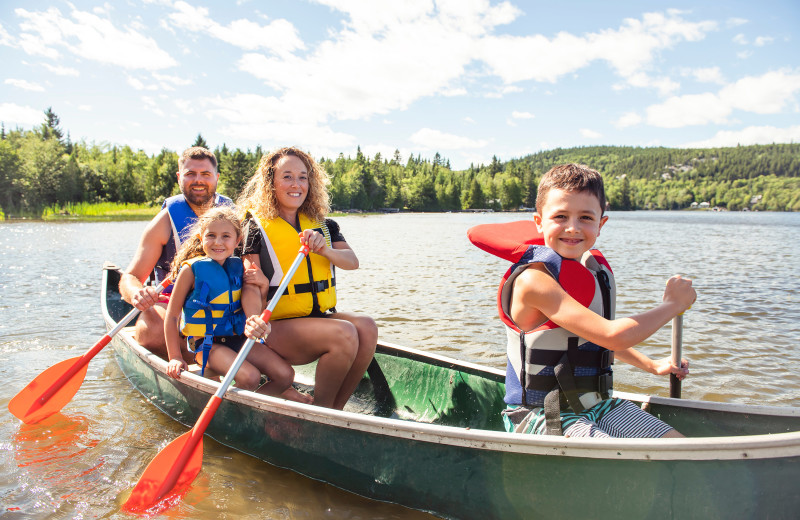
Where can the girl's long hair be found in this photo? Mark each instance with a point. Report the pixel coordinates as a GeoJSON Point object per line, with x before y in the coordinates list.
{"type": "Point", "coordinates": [193, 245]}
{"type": "Point", "coordinates": [258, 196]}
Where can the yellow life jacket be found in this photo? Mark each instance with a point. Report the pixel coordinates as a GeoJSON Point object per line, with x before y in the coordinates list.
{"type": "Point", "coordinates": [312, 289]}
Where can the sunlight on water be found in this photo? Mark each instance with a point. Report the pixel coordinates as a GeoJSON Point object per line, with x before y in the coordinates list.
{"type": "Point", "coordinates": [426, 286]}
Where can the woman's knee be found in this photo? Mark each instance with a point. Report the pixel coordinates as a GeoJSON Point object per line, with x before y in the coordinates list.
{"type": "Point", "coordinates": [344, 341]}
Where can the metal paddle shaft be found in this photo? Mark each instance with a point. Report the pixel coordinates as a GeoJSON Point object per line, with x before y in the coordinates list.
{"type": "Point", "coordinates": [677, 355]}
{"type": "Point", "coordinates": [180, 461]}
{"type": "Point", "coordinates": [51, 390]}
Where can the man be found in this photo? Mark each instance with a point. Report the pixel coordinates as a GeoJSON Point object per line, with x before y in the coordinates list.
{"type": "Point", "coordinates": [197, 178]}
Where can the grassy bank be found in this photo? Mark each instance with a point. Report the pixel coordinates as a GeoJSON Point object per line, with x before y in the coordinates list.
{"type": "Point", "coordinates": [100, 211]}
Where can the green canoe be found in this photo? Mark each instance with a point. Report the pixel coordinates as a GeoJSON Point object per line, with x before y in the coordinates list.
{"type": "Point", "coordinates": [424, 431]}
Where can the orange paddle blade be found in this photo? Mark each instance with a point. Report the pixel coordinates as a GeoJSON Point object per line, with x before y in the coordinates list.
{"type": "Point", "coordinates": [174, 467]}
{"type": "Point", "coordinates": [32, 403]}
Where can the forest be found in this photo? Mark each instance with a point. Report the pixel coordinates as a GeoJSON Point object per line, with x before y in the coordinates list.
{"type": "Point", "coordinates": [42, 168]}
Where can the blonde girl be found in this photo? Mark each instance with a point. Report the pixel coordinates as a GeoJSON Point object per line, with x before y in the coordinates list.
{"type": "Point", "coordinates": [206, 307]}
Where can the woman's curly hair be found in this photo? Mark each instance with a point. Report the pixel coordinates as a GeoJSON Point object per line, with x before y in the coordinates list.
{"type": "Point", "coordinates": [258, 196]}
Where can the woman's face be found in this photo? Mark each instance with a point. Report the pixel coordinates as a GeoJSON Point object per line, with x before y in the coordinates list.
{"type": "Point", "coordinates": [291, 182]}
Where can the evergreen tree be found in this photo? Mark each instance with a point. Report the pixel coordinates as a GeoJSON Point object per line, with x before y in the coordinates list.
{"type": "Point", "coordinates": [200, 142]}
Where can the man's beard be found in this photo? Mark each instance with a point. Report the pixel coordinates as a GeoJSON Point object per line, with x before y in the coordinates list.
{"type": "Point", "coordinates": [199, 199]}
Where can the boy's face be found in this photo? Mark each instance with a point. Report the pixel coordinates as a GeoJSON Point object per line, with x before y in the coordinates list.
{"type": "Point", "coordinates": [570, 221]}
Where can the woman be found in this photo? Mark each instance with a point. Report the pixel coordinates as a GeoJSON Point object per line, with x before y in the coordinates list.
{"type": "Point", "coordinates": [284, 205]}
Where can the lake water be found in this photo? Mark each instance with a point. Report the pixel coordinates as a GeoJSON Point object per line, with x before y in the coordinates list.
{"type": "Point", "coordinates": [427, 287]}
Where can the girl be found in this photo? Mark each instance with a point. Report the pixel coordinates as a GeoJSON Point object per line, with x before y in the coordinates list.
{"type": "Point", "coordinates": [207, 308]}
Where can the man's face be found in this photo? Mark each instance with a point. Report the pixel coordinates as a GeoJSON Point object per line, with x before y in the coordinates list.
{"type": "Point", "coordinates": [198, 181]}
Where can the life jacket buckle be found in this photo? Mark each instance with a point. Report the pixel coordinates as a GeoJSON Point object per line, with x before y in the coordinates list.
{"type": "Point", "coordinates": [604, 384]}
{"type": "Point", "coordinates": [606, 358]}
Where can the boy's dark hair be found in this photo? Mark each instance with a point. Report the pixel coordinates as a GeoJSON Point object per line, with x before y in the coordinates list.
{"type": "Point", "coordinates": [572, 177]}
{"type": "Point", "coordinates": [197, 153]}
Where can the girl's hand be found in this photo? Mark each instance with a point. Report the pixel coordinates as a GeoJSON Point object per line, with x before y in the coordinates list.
{"type": "Point", "coordinates": [663, 367]}
{"type": "Point", "coordinates": [256, 328]}
{"type": "Point", "coordinates": [315, 240]}
{"type": "Point", "coordinates": [175, 367]}
{"type": "Point", "coordinates": [255, 276]}
{"type": "Point", "coordinates": [680, 292]}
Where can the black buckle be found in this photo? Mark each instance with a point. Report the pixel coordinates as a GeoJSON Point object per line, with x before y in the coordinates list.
{"type": "Point", "coordinates": [606, 358]}
{"type": "Point", "coordinates": [604, 383]}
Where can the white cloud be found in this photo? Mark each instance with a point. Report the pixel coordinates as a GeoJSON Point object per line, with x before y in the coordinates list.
{"type": "Point", "coordinates": [749, 135]}
{"type": "Point", "coordinates": [469, 120]}
{"type": "Point", "coordinates": [61, 70]}
{"type": "Point", "coordinates": [705, 75]}
{"type": "Point", "coordinates": [435, 140]}
{"type": "Point", "coordinates": [85, 108]}
{"type": "Point", "coordinates": [735, 22]}
{"type": "Point", "coordinates": [765, 94]}
{"type": "Point", "coordinates": [279, 36]}
{"type": "Point", "coordinates": [590, 134]}
{"type": "Point", "coordinates": [13, 113]}
{"type": "Point", "coordinates": [628, 119]}
{"type": "Point", "coordinates": [91, 37]}
{"type": "Point", "coordinates": [740, 39]}
{"type": "Point", "coordinates": [629, 50]}
{"type": "Point", "coordinates": [763, 40]}
{"type": "Point", "coordinates": [24, 85]}
{"type": "Point", "coordinates": [522, 115]}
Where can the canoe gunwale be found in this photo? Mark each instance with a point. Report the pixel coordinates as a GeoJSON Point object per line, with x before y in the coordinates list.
{"type": "Point", "coordinates": [777, 445]}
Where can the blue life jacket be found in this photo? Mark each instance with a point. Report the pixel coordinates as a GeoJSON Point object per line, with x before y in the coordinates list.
{"type": "Point", "coordinates": [214, 307]}
{"type": "Point", "coordinates": [181, 217]}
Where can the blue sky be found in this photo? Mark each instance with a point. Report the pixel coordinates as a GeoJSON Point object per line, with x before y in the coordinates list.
{"type": "Point", "coordinates": [467, 78]}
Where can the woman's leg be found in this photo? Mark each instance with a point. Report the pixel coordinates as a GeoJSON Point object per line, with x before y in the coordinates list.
{"type": "Point", "coordinates": [367, 332]}
{"type": "Point", "coordinates": [333, 343]}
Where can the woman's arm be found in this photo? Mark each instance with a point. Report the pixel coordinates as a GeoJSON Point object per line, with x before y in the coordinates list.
{"type": "Point", "coordinates": [340, 255]}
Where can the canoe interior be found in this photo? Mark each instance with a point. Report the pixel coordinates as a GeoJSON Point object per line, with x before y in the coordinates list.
{"type": "Point", "coordinates": [410, 386]}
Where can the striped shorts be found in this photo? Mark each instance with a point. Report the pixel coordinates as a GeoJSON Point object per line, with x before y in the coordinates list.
{"type": "Point", "coordinates": [609, 418]}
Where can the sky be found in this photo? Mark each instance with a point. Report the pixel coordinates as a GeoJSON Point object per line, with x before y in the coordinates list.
{"type": "Point", "coordinates": [469, 79]}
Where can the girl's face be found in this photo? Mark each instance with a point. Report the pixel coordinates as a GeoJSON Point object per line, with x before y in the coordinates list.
{"type": "Point", "coordinates": [220, 240]}
{"type": "Point", "coordinates": [291, 182]}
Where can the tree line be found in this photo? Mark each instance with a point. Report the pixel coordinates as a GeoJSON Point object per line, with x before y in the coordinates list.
{"type": "Point", "coordinates": [42, 167]}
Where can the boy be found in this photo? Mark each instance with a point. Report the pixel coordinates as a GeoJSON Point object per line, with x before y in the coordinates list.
{"type": "Point", "coordinates": [557, 303]}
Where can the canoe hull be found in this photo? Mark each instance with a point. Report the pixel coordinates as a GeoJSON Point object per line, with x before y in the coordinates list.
{"type": "Point", "coordinates": [458, 473]}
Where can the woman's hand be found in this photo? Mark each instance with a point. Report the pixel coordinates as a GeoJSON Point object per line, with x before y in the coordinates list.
{"type": "Point", "coordinates": [255, 276]}
{"type": "Point", "coordinates": [175, 367]}
{"type": "Point", "coordinates": [663, 367]}
{"type": "Point", "coordinates": [256, 328]}
{"type": "Point", "coordinates": [315, 240]}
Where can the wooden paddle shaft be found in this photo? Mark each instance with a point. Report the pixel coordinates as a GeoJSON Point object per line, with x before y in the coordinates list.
{"type": "Point", "coordinates": [677, 355]}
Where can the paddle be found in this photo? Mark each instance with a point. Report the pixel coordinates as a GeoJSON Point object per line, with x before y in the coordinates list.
{"type": "Point", "coordinates": [51, 390]}
{"type": "Point", "coordinates": [179, 463]}
{"type": "Point", "coordinates": [677, 353]}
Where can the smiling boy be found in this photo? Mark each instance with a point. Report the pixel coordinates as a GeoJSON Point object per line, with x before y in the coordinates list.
{"type": "Point", "coordinates": [557, 304]}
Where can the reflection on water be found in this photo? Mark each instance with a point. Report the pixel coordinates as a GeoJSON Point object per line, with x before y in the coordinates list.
{"type": "Point", "coordinates": [426, 286]}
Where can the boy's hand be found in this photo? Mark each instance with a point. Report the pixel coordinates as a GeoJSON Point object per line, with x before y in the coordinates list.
{"type": "Point", "coordinates": [663, 367]}
{"type": "Point", "coordinates": [256, 328]}
{"type": "Point", "coordinates": [175, 367]}
{"type": "Point", "coordinates": [680, 292]}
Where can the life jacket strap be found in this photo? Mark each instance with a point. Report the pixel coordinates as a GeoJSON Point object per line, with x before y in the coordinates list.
{"type": "Point", "coordinates": [313, 287]}
{"type": "Point", "coordinates": [201, 302]}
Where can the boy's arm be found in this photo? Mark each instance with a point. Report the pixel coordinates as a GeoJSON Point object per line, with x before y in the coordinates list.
{"type": "Point", "coordinates": [536, 292]}
{"type": "Point", "coordinates": [658, 367]}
